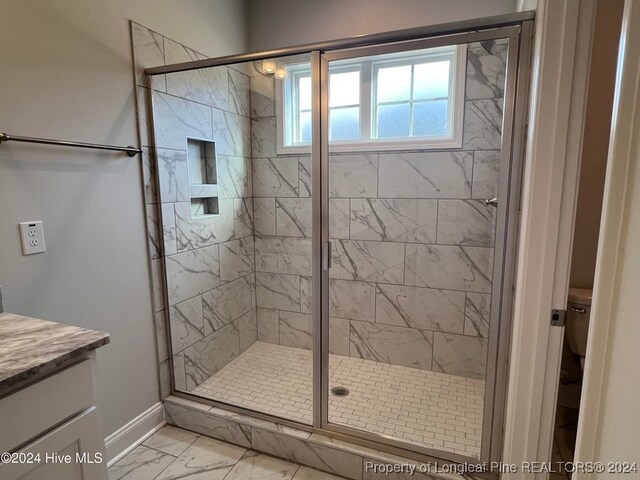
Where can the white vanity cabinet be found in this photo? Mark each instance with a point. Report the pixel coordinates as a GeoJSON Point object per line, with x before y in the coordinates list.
{"type": "Point", "coordinates": [50, 427]}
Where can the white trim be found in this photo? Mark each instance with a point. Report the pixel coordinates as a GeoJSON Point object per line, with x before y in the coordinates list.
{"type": "Point", "coordinates": [125, 439]}
{"type": "Point", "coordinates": [550, 180]}
{"type": "Point", "coordinates": [608, 309]}
{"type": "Point", "coordinates": [452, 140]}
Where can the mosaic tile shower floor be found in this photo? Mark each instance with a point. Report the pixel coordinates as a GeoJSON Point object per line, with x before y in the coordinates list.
{"type": "Point", "coordinates": [426, 408]}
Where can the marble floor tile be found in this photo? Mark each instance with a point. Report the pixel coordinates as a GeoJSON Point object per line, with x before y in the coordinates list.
{"type": "Point", "coordinates": [171, 440]}
{"type": "Point", "coordinates": [142, 463]}
{"type": "Point", "coordinates": [205, 459]}
{"type": "Point", "coordinates": [306, 473]}
{"type": "Point", "coordinates": [255, 466]}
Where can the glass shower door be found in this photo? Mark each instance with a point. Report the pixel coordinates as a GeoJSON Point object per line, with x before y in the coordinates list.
{"type": "Point", "coordinates": [236, 219]}
{"type": "Point", "coordinates": [416, 162]}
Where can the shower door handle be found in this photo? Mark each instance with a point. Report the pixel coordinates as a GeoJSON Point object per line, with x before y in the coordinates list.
{"type": "Point", "coordinates": [326, 256]}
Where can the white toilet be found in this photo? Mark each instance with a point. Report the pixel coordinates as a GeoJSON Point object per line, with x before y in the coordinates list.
{"type": "Point", "coordinates": [577, 321]}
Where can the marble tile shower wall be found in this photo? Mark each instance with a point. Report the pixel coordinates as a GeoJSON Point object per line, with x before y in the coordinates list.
{"type": "Point", "coordinates": [209, 261]}
{"type": "Point", "coordinates": [412, 257]}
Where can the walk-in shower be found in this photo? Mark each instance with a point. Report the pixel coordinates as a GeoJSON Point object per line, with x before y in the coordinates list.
{"type": "Point", "coordinates": [338, 232]}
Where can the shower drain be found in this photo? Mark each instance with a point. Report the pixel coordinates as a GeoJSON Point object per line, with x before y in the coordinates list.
{"type": "Point", "coordinates": [340, 391]}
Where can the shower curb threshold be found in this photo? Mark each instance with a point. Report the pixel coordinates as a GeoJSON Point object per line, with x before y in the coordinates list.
{"type": "Point", "coordinates": [331, 455]}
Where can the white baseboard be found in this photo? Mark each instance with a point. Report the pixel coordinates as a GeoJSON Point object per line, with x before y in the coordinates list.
{"type": "Point", "coordinates": [125, 439]}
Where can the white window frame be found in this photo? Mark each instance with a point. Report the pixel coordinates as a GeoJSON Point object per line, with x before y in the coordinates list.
{"type": "Point", "coordinates": [287, 121]}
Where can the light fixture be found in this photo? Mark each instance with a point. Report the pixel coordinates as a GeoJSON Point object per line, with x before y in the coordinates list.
{"type": "Point", "coordinates": [281, 73]}
{"type": "Point", "coordinates": [269, 66]}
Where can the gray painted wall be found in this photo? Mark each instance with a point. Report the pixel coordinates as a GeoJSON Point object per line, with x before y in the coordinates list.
{"type": "Point", "coordinates": [67, 73]}
{"type": "Point", "coordinates": [281, 23]}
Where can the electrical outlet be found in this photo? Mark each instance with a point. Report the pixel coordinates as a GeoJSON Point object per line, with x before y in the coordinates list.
{"type": "Point", "coordinates": [32, 235]}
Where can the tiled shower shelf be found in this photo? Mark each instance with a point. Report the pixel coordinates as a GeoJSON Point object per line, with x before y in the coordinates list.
{"type": "Point", "coordinates": [430, 409]}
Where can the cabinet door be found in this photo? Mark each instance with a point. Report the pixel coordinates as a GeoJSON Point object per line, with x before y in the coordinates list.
{"type": "Point", "coordinates": [72, 451]}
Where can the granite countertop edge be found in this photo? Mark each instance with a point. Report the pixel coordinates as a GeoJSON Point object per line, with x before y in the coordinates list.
{"type": "Point", "coordinates": [31, 348]}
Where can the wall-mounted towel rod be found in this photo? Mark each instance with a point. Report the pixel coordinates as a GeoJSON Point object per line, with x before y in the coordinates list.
{"type": "Point", "coordinates": [130, 150]}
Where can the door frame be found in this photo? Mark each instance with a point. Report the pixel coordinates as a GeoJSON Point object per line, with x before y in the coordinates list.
{"type": "Point", "coordinates": [512, 150]}
{"type": "Point", "coordinates": [552, 166]}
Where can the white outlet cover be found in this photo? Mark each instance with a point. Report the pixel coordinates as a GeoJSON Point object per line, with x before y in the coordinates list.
{"type": "Point", "coordinates": [32, 235]}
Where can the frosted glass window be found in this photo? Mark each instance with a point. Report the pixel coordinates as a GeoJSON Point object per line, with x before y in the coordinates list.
{"type": "Point", "coordinates": [394, 120]}
{"type": "Point", "coordinates": [431, 80]}
{"type": "Point", "coordinates": [394, 84]}
{"type": "Point", "coordinates": [344, 89]}
{"type": "Point", "coordinates": [412, 100]}
{"type": "Point", "coordinates": [304, 92]}
{"type": "Point", "coordinates": [399, 100]}
{"type": "Point", "coordinates": [430, 118]}
{"type": "Point", "coordinates": [344, 123]}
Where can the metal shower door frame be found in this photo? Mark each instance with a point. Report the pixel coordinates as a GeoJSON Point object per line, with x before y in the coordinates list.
{"type": "Point", "coordinates": [519, 27]}
{"type": "Point", "coordinates": [514, 108]}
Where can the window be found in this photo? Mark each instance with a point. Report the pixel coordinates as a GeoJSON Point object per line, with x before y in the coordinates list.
{"type": "Point", "coordinates": [395, 101]}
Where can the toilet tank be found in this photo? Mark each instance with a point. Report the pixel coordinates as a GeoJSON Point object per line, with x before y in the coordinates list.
{"type": "Point", "coordinates": [577, 321]}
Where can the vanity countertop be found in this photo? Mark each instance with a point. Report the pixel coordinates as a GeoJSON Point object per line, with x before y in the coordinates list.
{"type": "Point", "coordinates": [31, 348]}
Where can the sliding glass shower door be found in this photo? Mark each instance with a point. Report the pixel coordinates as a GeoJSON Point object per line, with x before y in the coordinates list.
{"type": "Point", "coordinates": [337, 236]}
{"type": "Point", "coordinates": [235, 191]}
{"type": "Point", "coordinates": [417, 190]}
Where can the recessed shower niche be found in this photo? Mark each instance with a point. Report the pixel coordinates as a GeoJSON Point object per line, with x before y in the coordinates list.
{"type": "Point", "coordinates": [203, 179]}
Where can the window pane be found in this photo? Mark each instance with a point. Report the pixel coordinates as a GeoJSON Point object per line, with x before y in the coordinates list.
{"type": "Point", "coordinates": [431, 80]}
{"type": "Point", "coordinates": [344, 123]}
{"type": "Point", "coordinates": [344, 89]}
{"type": "Point", "coordinates": [304, 93]}
{"type": "Point", "coordinates": [305, 127]}
{"type": "Point", "coordinates": [393, 120]}
{"type": "Point", "coordinates": [430, 118]}
{"type": "Point", "coordinates": [394, 84]}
